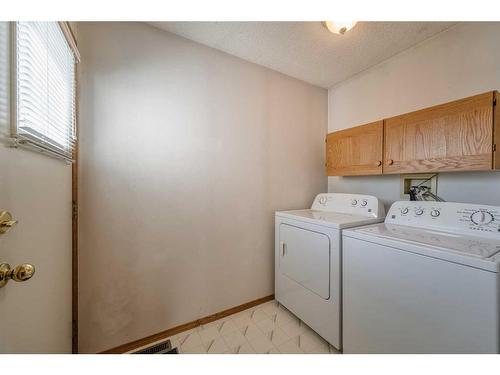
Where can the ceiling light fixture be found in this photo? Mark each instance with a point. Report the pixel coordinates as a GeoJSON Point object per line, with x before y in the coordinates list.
{"type": "Point", "coordinates": [339, 27]}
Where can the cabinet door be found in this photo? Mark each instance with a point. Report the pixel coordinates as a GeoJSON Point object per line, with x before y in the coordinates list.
{"type": "Point", "coordinates": [355, 151]}
{"type": "Point", "coordinates": [456, 136]}
{"type": "Point", "coordinates": [496, 131]}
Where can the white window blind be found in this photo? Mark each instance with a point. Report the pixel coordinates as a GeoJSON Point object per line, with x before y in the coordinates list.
{"type": "Point", "coordinates": [4, 82]}
{"type": "Point", "coordinates": [45, 89]}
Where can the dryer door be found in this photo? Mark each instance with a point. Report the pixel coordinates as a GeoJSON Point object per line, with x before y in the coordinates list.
{"type": "Point", "coordinates": [305, 258]}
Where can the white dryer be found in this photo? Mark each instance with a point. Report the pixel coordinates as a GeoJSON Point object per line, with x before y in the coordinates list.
{"type": "Point", "coordinates": [425, 281]}
{"type": "Point", "coordinates": [308, 257]}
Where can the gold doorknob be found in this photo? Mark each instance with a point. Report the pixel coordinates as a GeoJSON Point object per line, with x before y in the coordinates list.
{"type": "Point", "coordinates": [20, 273]}
{"type": "Point", "coordinates": [6, 222]}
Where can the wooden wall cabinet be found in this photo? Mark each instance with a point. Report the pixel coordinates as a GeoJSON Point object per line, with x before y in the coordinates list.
{"type": "Point", "coordinates": [355, 151]}
{"type": "Point", "coordinates": [458, 136]}
{"type": "Point", "coordinates": [496, 131]}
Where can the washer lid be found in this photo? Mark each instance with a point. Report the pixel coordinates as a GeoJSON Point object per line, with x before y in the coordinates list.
{"type": "Point", "coordinates": [439, 244]}
{"type": "Point", "coordinates": [330, 219]}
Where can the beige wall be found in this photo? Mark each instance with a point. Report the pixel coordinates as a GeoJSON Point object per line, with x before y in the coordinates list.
{"type": "Point", "coordinates": [462, 61]}
{"type": "Point", "coordinates": [186, 152]}
{"type": "Point", "coordinates": [35, 316]}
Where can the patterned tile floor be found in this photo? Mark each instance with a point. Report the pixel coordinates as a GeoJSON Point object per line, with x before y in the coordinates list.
{"type": "Point", "coordinates": [267, 329]}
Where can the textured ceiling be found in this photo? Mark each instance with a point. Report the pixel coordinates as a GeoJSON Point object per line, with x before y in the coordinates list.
{"type": "Point", "coordinates": [306, 50]}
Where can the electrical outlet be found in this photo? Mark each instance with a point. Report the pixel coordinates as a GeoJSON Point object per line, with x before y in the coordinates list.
{"type": "Point", "coordinates": [423, 179]}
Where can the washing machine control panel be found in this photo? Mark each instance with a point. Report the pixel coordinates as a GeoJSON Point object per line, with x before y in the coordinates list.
{"type": "Point", "coordinates": [355, 204]}
{"type": "Point", "coordinates": [458, 217]}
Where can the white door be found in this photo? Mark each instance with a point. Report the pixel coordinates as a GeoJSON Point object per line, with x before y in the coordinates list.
{"type": "Point", "coordinates": [305, 258]}
{"type": "Point", "coordinates": [35, 315]}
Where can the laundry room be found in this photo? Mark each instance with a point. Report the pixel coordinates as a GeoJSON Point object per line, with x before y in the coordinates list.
{"type": "Point", "coordinates": [211, 183]}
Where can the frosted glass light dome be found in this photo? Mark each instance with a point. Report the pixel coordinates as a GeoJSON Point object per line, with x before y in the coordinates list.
{"type": "Point", "coordinates": [339, 27]}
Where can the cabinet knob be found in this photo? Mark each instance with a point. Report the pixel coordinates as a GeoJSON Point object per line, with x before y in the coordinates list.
{"type": "Point", "coordinates": [378, 163]}
{"type": "Point", "coordinates": [390, 162]}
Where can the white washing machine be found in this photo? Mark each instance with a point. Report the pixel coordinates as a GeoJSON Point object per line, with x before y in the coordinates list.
{"type": "Point", "coordinates": [425, 281]}
{"type": "Point", "coordinates": [308, 257]}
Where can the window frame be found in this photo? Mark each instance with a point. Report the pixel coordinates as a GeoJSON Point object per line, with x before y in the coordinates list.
{"type": "Point", "coordinates": [42, 144]}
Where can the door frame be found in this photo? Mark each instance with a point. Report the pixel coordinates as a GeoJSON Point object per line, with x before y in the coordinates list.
{"type": "Point", "coordinates": [74, 214]}
{"type": "Point", "coordinates": [74, 250]}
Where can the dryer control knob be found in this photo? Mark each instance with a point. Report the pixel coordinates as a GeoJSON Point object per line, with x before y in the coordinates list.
{"type": "Point", "coordinates": [364, 202]}
{"type": "Point", "coordinates": [354, 202]}
{"type": "Point", "coordinates": [322, 200]}
{"type": "Point", "coordinates": [419, 212]}
{"type": "Point", "coordinates": [435, 213]}
{"type": "Point", "coordinates": [482, 217]}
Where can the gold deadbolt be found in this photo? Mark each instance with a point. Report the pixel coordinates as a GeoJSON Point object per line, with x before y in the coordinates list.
{"type": "Point", "coordinates": [20, 273]}
{"type": "Point", "coordinates": [6, 222]}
